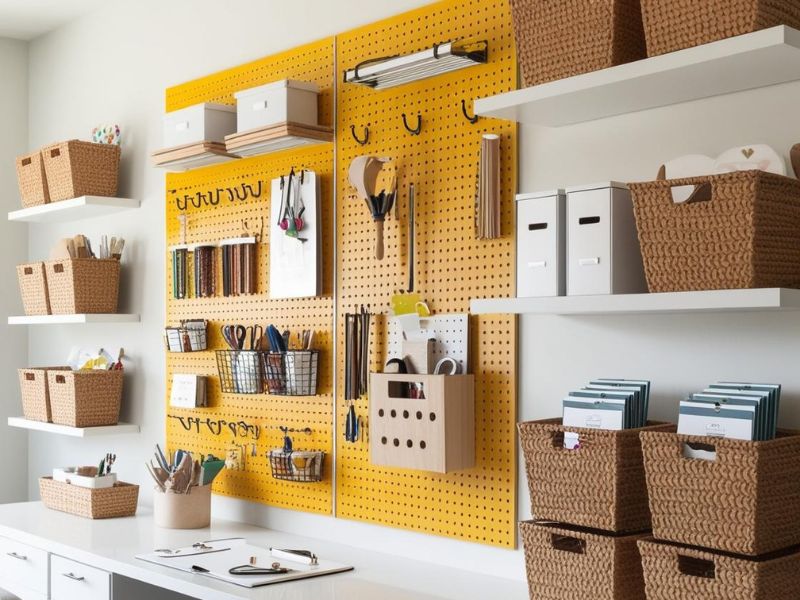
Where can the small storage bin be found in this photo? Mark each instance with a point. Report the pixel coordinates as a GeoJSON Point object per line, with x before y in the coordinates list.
{"type": "Point", "coordinates": [672, 571]}
{"type": "Point", "coordinates": [561, 38]}
{"type": "Point", "coordinates": [565, 562]}
{"type": "Point", "coordinates": [85, 398]}
{"type": "Point", "coordinates": [301, 466]}
{"type": "Point", "coordinates": [541, 244]}
{"type": "Point", "coordinates": [183, 511]}
{"type": "Point", "coordinates": [740, 233]}
{"type": "Point", "coordinates": [600, 484]}
{"type": "Point", "coordinates": [422, 422]}
{"type": "Point", "coordinates": [35, 393]}
{"type": "Point", "coordinates": [186, 339]}
{"type": "Point", "coordinates": [77, 168]}
{"type": "Point", "coordinates": [32, 180]}
{"type": "Point", "coordinates": [603, 254]}
{"type": "Point", "coordinates": [83, 285]}
{"type": "Point", "coordinates": [292, 373]}
{"type": "Point", "coordinates": [279, 102]}
{"type": "Point", "coordinates": [205, 122]}
{"type": "Point", "coordinates": [102, 503]}
{"type": "Point", "coordinates": [33, 289]}
{"type": "Point", "coordinates": [671, 26]}
{"type": "Point", "coordinates": [743, 499]}
{"type": "Point", "coordinates": [241, 371]}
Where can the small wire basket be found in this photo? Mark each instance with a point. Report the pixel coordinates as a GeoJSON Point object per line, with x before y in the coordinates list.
{"type": "Point", "coordinates": [241, 371]}
{"type": "Point", "coordinates": [191, 336]}
{"type": "Point", "coordinates": [305, 467]}
{"type": "Point", "coordinates": [292, 373]}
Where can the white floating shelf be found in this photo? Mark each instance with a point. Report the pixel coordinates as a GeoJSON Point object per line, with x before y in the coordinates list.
{"type": "Point", "coordinates": [79, 432]}
{"type": "Point", "coordinates": [764, 299]}
{"type": "Point", "coordinates": [74, 209]}
{"type": "Point", "coordinates": [755, 60]}
{"type": "Point", "coordinates": [68, 319]}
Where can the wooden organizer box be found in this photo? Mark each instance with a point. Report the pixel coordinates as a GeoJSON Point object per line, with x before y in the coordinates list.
{"type": "Point", "coordinates": [433, 433]}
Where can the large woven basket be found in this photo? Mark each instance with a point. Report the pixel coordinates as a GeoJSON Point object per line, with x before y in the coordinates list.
{"type": "Point", "coordinates": [745, 236]}
{"type": "Point", "coordinates": [85, 398]}
{"type": "Point", "coordinates": [599, 485]}
{"type": "Point", "coordinates": [562, 38]}
{"type": "Point", "coordinates": [564, 562]}
{"type": "Point", "coordinates": [109, 503]}
{"type": "Point", "coordinates": [32, 180]}
{"type": "Point", "coordinates": [744, 501]}
{"type": "Point", "coordinates": [35, 394]}
{"type": "Point", "coordinates": [33, 289]}
{"type": "Point", "coordinates": [77, 168]}
{"type": "Point", "coordinates": [673, 572]}
{"type": "Point", "coordinates": [676, 24]}
{"type": "Point", "coordinates": [83, 285]}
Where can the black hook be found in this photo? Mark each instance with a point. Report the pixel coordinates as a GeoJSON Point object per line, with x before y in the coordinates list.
{"type": "Point", "coordinates": [363, 142]}
{"type": "Point", "coordinates": [473, 119]}
{"type": "Point", "coordinates": [409, 129]}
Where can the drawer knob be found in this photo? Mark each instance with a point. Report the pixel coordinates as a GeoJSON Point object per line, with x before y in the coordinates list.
{"type": "Point", "coordinates": [588, 262]}
{"type": "Point", "coordinates": [17, 556]}
{"type": "Point", "coordinates": [73, 577]}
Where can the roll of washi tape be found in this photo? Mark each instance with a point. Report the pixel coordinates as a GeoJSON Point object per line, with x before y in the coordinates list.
{"type": "Point", "coordinates": [443, 364]}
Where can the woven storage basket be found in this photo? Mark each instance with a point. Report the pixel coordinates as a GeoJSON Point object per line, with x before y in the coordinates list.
{"type": "Point", "coordinates": [35, 395]}
{"type": "Point", "coordinates": [77, 168]}
{"type": "Point", "coordinates": [745, 501]}
{"type": "Point", "coordinates": [600, 485]}
{"type": "Point", "coordinates": [85, 398]}
{"type": "Point", "coordinates": [83, 285]}
{"type": "Point", "coordinates": [565, 562]}
{"type": "Point", "coordinates": [676, 24]}
{"type": "Point", "coordinates": [673, 572]}
{"type": "Point", "coordinates": [108, 503]}
{"type": "Point", "coordinates": [745, 236]}
{"type": "Point", "coordinates": [32, 180]}
{"type": "Point", "coordinates": [562, 38]}
{"type": "Point", "coordinates": [33, 289]}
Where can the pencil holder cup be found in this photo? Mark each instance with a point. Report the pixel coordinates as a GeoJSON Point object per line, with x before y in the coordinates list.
{"type": "Point", "coordinates": [183, 511]}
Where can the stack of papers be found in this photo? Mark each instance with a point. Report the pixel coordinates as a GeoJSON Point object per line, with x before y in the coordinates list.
{"type": "Point", "coordinates": [742, 411]}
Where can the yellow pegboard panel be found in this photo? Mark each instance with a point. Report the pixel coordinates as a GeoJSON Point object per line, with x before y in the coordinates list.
{"type": "Point", "coordinates": [210, 223]}
{"type": "Point", "coordinates": [478, 504]}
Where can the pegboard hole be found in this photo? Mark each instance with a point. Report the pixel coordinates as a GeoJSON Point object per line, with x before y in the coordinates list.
{"type": "Point", "coordinates": [393, 413]}
{"type": "Point", "coordinates": [405, 414]}
{"type": "Point", "coordinates": [384, 440]}
{"type": "Point", "coordinates": [433, 416]}
{"type": "Point", "coordinates": [422, 445]}
{"type": "Point", "coordinates": [419, 415]}
{"type": "Point", "coordinates": [381, 412]}
{"type": "Point", "coordinates": [396, 442]}
{"type": "Point", "coordinates": [409, 443]}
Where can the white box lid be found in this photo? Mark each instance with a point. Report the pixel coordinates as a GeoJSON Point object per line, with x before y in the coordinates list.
{"type": "Point", "coordinates": [604, 185]}
{"type": "Point", "coordinates": [543, 194]}
{"type": "Point", "coordinates": [208, 106]}
{"type": "Point", "coordinates": [308, 86]}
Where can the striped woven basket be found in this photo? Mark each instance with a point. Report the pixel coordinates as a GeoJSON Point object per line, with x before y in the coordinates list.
{"type": "Point", "coordinates": [676, 24]}
{"type": "Point", "coordinates": [673, 572]}
{"type": "Point", "coordinates": [599, 485]}
{"type": "Point", "coordinates": [562, 38]}
{"type": "Point", "coordinates": [108, 503]}
{"type": "Point", "coordinates": [564, 562]}
{"type": "Point", "coordinates": [744, 236]}
{"type": "Point", "coordinates": [77, 168]}
{"type": "Point", "coordinates": [744, 501]}
{"type": "Point", "coordinates": [83, 285]}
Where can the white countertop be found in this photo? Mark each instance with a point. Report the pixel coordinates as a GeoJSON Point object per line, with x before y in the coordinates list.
{"type": "Point", "coordinates": [111, 545]}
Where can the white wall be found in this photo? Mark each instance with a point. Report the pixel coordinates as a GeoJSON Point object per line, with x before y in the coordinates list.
{"type": "Point", "coordinates": [13, 249]}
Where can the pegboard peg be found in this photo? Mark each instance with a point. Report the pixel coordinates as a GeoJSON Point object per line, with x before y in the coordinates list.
{"type": "Point", "coordinates": [472, 119]}
{"type": "Point", "coordinates": [361, 142]}
{"type": "Point", "coordinates": [415, 131]}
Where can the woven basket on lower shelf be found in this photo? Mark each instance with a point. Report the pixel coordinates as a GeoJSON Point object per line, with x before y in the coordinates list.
{"type": "Point", "coordinates": [673, 572]}
{"type": "Point", "coordinates": [108, 503]}
{"type": "Point", "coordinates": [672, 25]}
{"type": "Point", "coordinates": [85, 398]}
{"type": "Point", "coordinates": [83, 285]}
{"type": "Point", "coordinates": [35, 393]}
{"type": "Point", "coordinates": [565, 562]}
{"type": "Point", "coordinates": [744, 236]}
{"type": "Point", "coordinates": [32, 180]}
{"type": "Point", "coordinates": [744, 501]}
{"type": "Point", "coordinates": [600, 485]}
{"type": "Point", "coordinates": [33, 289]}
{"type": "Point", "coordinates": [75, 168]}
{"type": "Point", "coordinates": [561, 38]}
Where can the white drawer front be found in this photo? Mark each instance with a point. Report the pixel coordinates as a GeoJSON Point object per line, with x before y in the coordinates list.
{"type": "Point", "coordinates": [23, 565]}
{"type": "Point", "coordinates": [540, 260]}
{"type": "Point", "coordinates": [589, 242]}
{"type": "Point", "coordinates": [70, 580]}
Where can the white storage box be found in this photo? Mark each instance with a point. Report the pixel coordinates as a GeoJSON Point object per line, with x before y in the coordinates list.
{"type": "Point", "coordinates": [603, 253]}
{"type": "Point", "coordinates": [205, 122]}
{"type": "Point", "coordinates": [279, 102]}
{"type": "Point", "coordinates": [541, 244]}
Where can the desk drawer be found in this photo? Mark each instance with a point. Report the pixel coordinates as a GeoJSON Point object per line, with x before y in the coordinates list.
{"type": "Point", "coordinates": [70, 580]}
{"type": "Point", "coordinates": [23, 565]}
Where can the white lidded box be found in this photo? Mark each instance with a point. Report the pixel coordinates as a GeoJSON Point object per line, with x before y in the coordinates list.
{"type": "Point", "coordinates": [603, 253]}
{"type": "Point", "coordinates": [541, 244]}
{"type": "Point", "coordinates": [205, 122]}
{"type": "Point", "coordinates": [282, 101]}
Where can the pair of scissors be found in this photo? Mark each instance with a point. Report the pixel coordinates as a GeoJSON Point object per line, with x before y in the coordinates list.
{"type": "Point", "coordinates": [253, 570]}
{"type": "Point", "coordinates": [234, 336]}
{"type": "Point", "coordinates": [256, 334]}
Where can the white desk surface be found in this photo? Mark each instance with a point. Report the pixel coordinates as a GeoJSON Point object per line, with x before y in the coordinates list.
{"type": "Point", "coordinates": [111, 545]}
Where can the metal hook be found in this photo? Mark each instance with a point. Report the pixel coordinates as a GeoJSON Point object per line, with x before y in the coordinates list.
{"type": "Point", "coordinates": [363, 142]}
{"type": "Point", "coordinates": [409, 129]}
{"type": "Point", "coordinates": [473, 119]}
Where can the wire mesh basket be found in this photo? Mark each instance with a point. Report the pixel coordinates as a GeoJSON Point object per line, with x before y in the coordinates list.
{"type": "Point", "coordinates": [241, 371]}
{"type": "Point", "coordinates": [191, 336]}
{"type": "Point", "coordinates": [305, 467]}
{"type": "Point", "coordinates": [292, 373]}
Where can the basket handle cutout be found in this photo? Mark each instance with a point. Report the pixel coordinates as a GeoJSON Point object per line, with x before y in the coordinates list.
{"type": "Point", "coordinates": [28, 270]}
{"type": "Point", "coordinates": [30, 377]}
{"type": "Point", "coordinates": [563, 441]}
{"type": "Point", "coordinates": [55, 152]}
{"type": "Point", "coordinates": [26, 161]}
{"type": "Point", "coordinates": [688, 194]}
{"type": "Point", "coordinates": [699, 451]}
{"type": "Point", "coordinates": [567, 543]}
{"type": "Point", "coordinates": [537, 226]}
{"type": "Point", "coordinates": [406, 390]}
{"type": "Point", "coordinates": [588, 220]}
{"type": "Point", "coordinates": [61, 379]}
{"type": "Point", "coordinates": [696, 567]}
{"type": "Point", "coordinates": [59, 268]}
